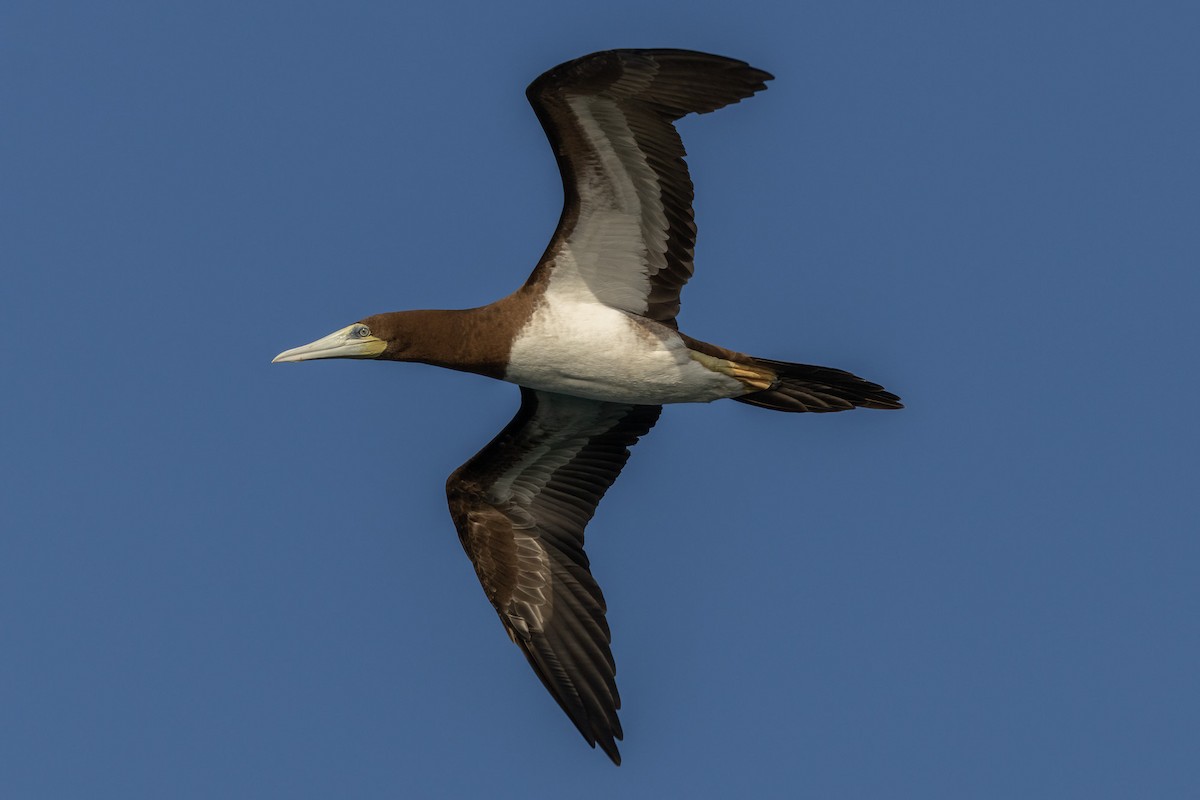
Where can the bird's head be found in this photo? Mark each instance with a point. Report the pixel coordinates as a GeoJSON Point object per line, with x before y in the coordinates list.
{"type": "Point", "coordinates": [380, 336]}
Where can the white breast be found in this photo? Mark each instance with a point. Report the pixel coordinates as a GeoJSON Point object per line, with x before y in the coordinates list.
{"type": "Point", "coordinates": [588, 349]}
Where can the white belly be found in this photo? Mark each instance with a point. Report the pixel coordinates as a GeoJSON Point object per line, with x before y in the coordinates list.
{"type": "Point", "coordinates": [593, 351]}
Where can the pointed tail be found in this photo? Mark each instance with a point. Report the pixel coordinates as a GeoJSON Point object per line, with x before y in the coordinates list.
{"type": "Point", "coordinates": [803, 387]}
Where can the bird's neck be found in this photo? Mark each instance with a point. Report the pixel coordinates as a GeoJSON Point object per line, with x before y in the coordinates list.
{"type": "Point", "coordinates": [471, 340]}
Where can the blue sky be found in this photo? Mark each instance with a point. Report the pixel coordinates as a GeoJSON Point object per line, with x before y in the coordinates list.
{"type": "Point", "coordinates": [223, 578]}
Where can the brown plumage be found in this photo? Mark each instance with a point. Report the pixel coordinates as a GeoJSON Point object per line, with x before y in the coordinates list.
{"type": "Point", "coordinates": [651, 89]}
{"type": "Point", "coordinates": [592, 339]}
{"type": "Point", "coordinates": [544, 591]}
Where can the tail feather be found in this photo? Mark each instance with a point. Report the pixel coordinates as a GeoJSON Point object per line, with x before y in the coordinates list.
{"type": "Point", "coordinates": [803, 387]}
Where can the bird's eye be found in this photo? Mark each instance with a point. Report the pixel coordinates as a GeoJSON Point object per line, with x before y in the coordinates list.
{"type": "Point", "coordinates": [361, 332]}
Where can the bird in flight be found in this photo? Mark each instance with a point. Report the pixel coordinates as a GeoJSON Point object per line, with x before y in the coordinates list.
{"type": "Point", "coordinates": [591, 339]}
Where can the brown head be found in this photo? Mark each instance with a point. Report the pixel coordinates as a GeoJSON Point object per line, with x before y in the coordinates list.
{"type": "Point", "coordinates": [473, 340]}
{"type": "Point", "coordinates": [384, 336]}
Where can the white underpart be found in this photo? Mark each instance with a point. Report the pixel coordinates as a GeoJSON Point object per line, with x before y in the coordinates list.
{"type": "Point", "coordinates": [580, 340]}
{"type": "Point", "coordinates": [587, 349]}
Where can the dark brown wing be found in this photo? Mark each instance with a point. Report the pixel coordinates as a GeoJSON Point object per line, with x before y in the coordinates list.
{"type": "Point", "coordinates": [626, 236]}
{"type": "Point", "coordinates": [520, 506]}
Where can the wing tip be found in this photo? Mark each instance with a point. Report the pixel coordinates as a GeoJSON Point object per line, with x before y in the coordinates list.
{"type": "Point", "coordinates": [739, 80]}
{"type": "Point", "coordinates": [610, 749]}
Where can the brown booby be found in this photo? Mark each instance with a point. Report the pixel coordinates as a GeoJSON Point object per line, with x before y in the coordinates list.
{"type": "Point", "coordinates": [592, 341]}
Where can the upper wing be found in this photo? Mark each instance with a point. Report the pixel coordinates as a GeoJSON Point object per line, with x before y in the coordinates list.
{"type": "Point", "coordinates": [626, 235]}
{"type": "Point", "coordinates": [520, 506]}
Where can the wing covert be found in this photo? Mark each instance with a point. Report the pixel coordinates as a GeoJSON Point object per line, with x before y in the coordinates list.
{"type": "Point", "coordinates": [520, 506]}
{"type": "Point", "coordinates": [627, 235]}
